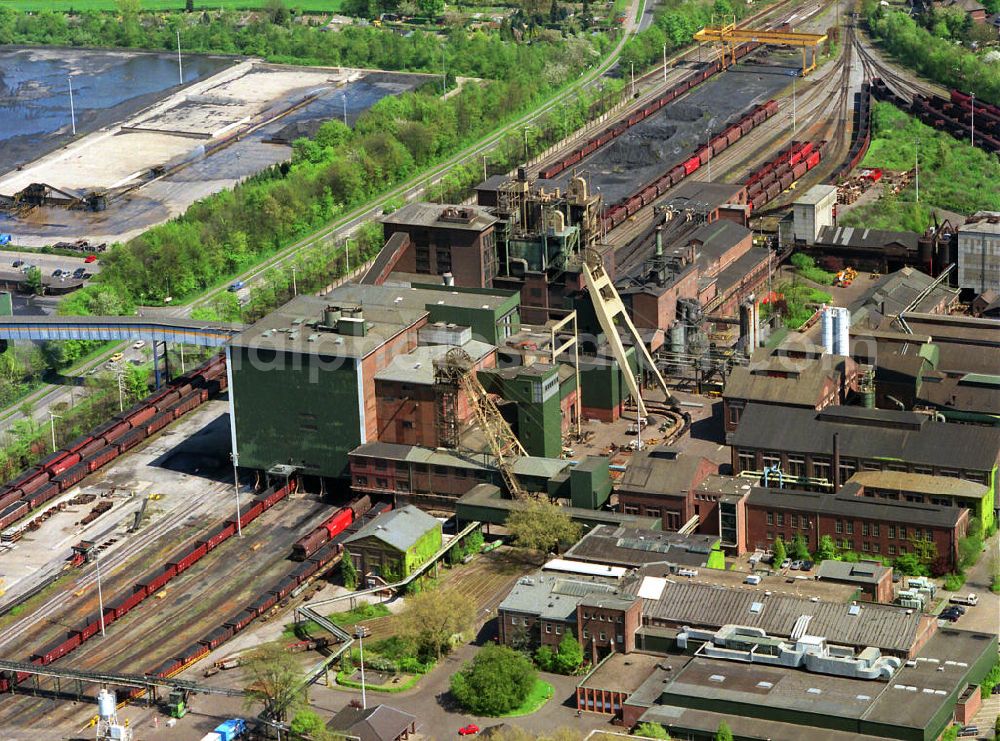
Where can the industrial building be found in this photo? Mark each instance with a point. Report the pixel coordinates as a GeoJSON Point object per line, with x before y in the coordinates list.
{"type": "Point", "coordinates": [979, 253]}
{"type": "Point", "coordinates": [392, 545]}
{"type": "Point", "coordinates": [635, 547]}
{"type": "Point", "coordinates": [660, 482]}
{"type": "Point", "coordinates": [872, 579]}
{"type": "Point", "coordinates": [304, 380]}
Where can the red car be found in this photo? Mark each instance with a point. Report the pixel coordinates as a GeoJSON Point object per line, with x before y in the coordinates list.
{"type": "Point", "coordinates": [470, 730]}
{"type": "Point", "coordinates": [90, 258]}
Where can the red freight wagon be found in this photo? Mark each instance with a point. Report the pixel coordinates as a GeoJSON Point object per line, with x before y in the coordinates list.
{"type": "Point", "coordinates": [251, 514]}
{"type": "Point", "coordinates": [31, 481]}
{"type": "Point", "coordinates": [102, 458]}
{"type": "Point", "coordinates": [339, 521]}
{"type": "Point", "coordinates": [40, 497]}
{"type": "Point", "coordinates": [71, 477]}
{"type": "Point", "coordinates": [116, 431]}
{"type": "Point", "coordinates": [799, 170]}
{"type": "Point", "coordinates": [691, 165]}
{"type": "Point", "coordinates": [8, 496]}
{"type": "Point", "coordinates": [140, 416]}
{"type": "Point", "coordinates": [813, 160]}
{"type": "Point", "coordinates": [92, 447]}
{"type": "Point", "coordinates": [227, 531]}
{"type": "Point", "coordinates": [158, 422]}
{"type": "Point", "coordinates": [12, 513]}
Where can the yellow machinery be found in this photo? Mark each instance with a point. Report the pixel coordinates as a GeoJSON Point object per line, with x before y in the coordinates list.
{"type": "Point", "coordinates": [729, 37]}
{"type": "Point", "coordinates": [457, 371]}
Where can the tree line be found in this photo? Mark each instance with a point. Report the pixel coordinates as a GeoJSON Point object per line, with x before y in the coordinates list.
{"type": "Point", "coordinates": [940, 59]}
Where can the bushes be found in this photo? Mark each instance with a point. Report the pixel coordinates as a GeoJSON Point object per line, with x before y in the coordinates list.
{"type": "Point", "coordinates": [954, 582]}
{"type": "Point", "coordinates": [566, 660]}
{"type": "Point", "coordinates": [953, 174]}
{"type": "Point", "coordinates": [806, 267]}
{"type": "Point", "coordinates": [497, 681]}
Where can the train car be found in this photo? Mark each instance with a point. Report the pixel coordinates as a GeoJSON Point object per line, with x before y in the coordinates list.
{"type": "Point", "coordinates": [100, 458]}
{"type": "Point", "coordinates": [240, 620]}
{"type": "Point", "coordinates": [772, 192]}
{"type": "Point", "coordinates": [43, 495]}
{"type": "Point", "coordinates": [719, 145]}
{"type": "Point", "coordinates": [812, 160]}
{"type": "Point", "coordinates": [71, 476]}
{"type": "Point", "coordinates": [304, 570]}
{"type": "Point", "coordinates": [169, 398]}
{"type": "Point", "coordinates": [306, 546]}
{"type": "Point", "coordinates": [192, 653]}
{"type": "Point", "coordinates": [251, 514]}
{"type": "Point", "coordinates": [633, 205]}
{"type": "Point", "coordinates": [691, 165]}
{"type": "Point", "coordinates": [283, 587]}
{"type": "Point", "coordinates": [13, 512]}
{"type": "Point", "coordinates": [198, 549]}
{"type": "Point", "coordinates": [799, 170]}
{"type": "Point", "coordinates": [746, 126]}
{"type": "Point", "coordinates": [217, 637]}
{"type": "Point", "coordinates": [138, 417]}
{"type": "Point", "coordinates": [57, 649]}
{"type": "Point", "coordinates": [31, 481]}
{"type": "Point", "coordinates": [53, 460]}
{"type": "Point", "coordinates": [733, 134]}
{"type": "Point", "coordinates": [786, 180]}
{"type": "Point", "coordinates": [648, 195]}
{"type": "Point", "coordinates": [221, 535]}
{"type": "Point", "coordinates": [158, 422]}
{"type": "Point", "coordinates": [167, 669]}
{"type": "Point", "coordinates": [704, 155]}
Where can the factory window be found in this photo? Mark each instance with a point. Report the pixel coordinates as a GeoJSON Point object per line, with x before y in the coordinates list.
{"type": "Point", "coordinates": [621, 639]}
{"type": "Point", "coordinates": [865, 546]}
{"type": "Point", "coordinates": [839, 526]}
{"type": "Point", "coordinates": [407, 424]}
{"type": "Point", "coordinates": [747, 461]}
{"type": "Point", "coordinates": [876, 548]}
{"type": "Point", "coordinates": [770, 518]}
{"type": "Point", "coordinates": [381, 483]}
{"type": "Point", "coordinates": [586, 616]}
{"type": "Point", "coordinates": [892, 550]}
{"type": "Point", "coordinates": [652, 511]}
{"type": "Point", "coordinates": [941, 501]}
{"type": "Point", "coordinates": [803, 522]}
{"type": "Point", "coordinates": [892, 531]}
{"type": "Point", "coordinates": [923, 469]}
{"type": "Point", "coordinates": [770, 535]}
{"type": "Point", "coordinates": [864, 529]}
{"type": "Point", "coordinates": [796, 466]}
{"type": "Point", "coordinates": [850, 527]}
{"type": "Point", "coordinates": [781, 519]}
{"type": "Point", "coordinates": [361, 480]}
{"type": "Point", "coordinates": [902, 549]}
{"type": "Point", "coordinates": [513, 620]}
{"type": "Point", "coordinates": [821, 469]}
{"type": "Point", "coordinates": [535, 292]}
{"type": "Point", "coordinates": [874, 529]}
{"type": "Point", "coordinates": [558, 629]}
{"type": "Point", "coordinates": [771, 460]}
{"type": "Point", "coordinates": [402, 485]}
{"type": "Point", "coordinates": [630, 509]}
{"type": "Point", "coordinates": [548, 627]}
{"type": "Point", "coordinates": [847, 470]}
{"type": "Point", "coordinates": [902, 532]}
{"type": "Point", "coordinates": [586, 633]}
{"type": "Point", "coordinates": [604, 636]}
{"type": "Point", "coordinates": [979, 478]}
{"type": "Point", "coordinates": [381, 463]}
{"type": "Point", "coordinates": [734, 414]}
{"type": "Point", "coordinates": [871, 466]}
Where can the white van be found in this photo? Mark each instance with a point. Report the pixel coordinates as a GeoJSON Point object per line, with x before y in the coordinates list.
{"type": "Point", "coordinates": [752, 579]}
{"type": "Point", "coordinates": [964, 599]}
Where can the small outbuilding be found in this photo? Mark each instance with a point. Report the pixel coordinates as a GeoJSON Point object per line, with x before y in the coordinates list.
{"type": "Point", "coordinates": [394, 544]}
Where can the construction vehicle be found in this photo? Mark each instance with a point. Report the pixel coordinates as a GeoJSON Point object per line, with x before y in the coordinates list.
{"type": "Point", "coordinates": [845, 277]}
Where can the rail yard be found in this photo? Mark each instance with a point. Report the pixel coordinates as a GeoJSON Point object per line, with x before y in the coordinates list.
{"type": "Point", "coordinates": [640, 405]}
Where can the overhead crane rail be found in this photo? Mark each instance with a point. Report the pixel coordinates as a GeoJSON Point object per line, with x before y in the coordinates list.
{"type": "Point", "coordinates": [729, 37]}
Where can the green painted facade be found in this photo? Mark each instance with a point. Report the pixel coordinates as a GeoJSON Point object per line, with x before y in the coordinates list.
{"type": "Point", "coordinates": [602, 385]}
{"type": "Point", "coordinates": [380, 558]}
{"type": "Point", "coordinates": [535, 391]}
{"type": "Point", "coordinates": [491, 325]}
{"type": "Point", "coordinates": [295, 408]}
{"type": "Point", "coordinates": [590, 483]}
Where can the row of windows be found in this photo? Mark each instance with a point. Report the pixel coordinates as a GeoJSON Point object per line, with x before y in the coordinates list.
{"type": "Point", "coordinates": [603, 636]}
{"type": "Point", "coordinates": [779, 518]}
{"type": "Point", "coordinates": [795, 465]}
{"type": "Point", "coordinates": [601, 617]}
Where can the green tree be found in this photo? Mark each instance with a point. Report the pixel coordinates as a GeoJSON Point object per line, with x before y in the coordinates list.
{"type": "Point", "coordinates": [273, 678]}
{"type": "Point", "coordinates": [909, 564]}
{"type": "Point", "coordinates": [800, 549]}
{"type": "Point", "coordinates": [651, 730]}
{"type": "Point", "coordinates": [827, 549]}
{"type": "Point", "coordinates": [189, 6]}
{"type": "Point", "coordinates": [569, 656]}
{"type": "Point", "coordinates": [495, 682]}
{"type": "Point", "coordinates": [308, 724]}
{"type": "Point", "coordinates": [541, 525]}
{"type": "Point", "coordinates": [545, 658]}
{"type": "Point", "coordinates": [724, 733]}
{"type": "Point", "coordinates": [780, 554]}
{"type": "Point", "coordinates": [431, 8]}
{"type": "Point", "coordinates": [432, 617]}
{"type": "Point", "coordinates": [347, 571]}
{"type": "Point", "coordinates": [33, 281]}
{"type": "Point", "coordinates": [136, 383]}
{"type": "Point", "coordinates": [277, 12]}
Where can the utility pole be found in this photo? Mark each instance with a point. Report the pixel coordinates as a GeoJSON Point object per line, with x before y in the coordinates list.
{"type": "Point", "coordinates": [485, 176]}
{"type": "Point", "coordinates": [344, 94]}
{"type": "Point", "coordinates": [52, 426]}
{"type": "Point", "coordinates": [72, 110]}
{"type": "Point", "coordinates": [347, 254]}
{"type": "Point", "coordinates": [180, 67]}
{"type": "Point", "coordinates": [973, 118]}
{"type": "Point", "coordinates": [100, 594]}
{"type": "Point", "coordinates": [916, 149]}
{"type": "Point", "coordinates": [708, 140]}
{"type": "Point", "coordinates": [120, 375]}
{"type": "Point", "coordinates": [236, 484]}
{"type": "Point", "coordinates": [360, 633]}
{"type": "Point", "coordinates": [794, 127]}
{"type": "Point", "coordinates": [525, 130]}
{"type": "Point", "coordinates": [664, 63]}
{"type": "Point", "coordinates": [444, 74]}
{"type": "Point", "coordinates": [295, 288]}
{"type": "Point", "coordinates": [633, 79]}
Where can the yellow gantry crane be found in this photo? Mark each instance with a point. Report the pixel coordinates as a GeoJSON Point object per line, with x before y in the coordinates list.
{"type": "Point", "coordinates": [729, 37]}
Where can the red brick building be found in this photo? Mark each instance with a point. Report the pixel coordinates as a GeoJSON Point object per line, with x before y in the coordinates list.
{"type": "Point", "coordinates": [855, 522]}
{"type": "Point", "coordinates": [660, 482]}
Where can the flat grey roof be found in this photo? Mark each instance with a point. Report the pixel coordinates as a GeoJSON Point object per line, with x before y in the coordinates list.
{"type": "Point", "coordinates": [555, 596]}
{"type": "Point", "coordinates": [628, 546]}
{"type": "Point", "coordinates": [660, 470]}
{"type": "Point", "coordinates": [417, 366]}
{"type": "Point", "coordinates": [815, 194]}
{"type": "Point", "coordinates": [429, 214]}
{"type": "Point", "coordinates": [864, 572]}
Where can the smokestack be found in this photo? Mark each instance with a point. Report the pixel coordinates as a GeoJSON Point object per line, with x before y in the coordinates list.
{"type": "Point", "coordinates": [836, 462]}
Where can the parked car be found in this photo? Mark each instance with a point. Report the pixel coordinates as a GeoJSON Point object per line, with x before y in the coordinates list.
{"type": "Point", "coordinates": [786, 563]}
{"type": "Point", "coordinates": [138, 344]}
{"type": "Point", "coordinates": [687, 572]}
{"type": "Point", "coordinates": [57, 272]}
{"type": "Point", "coordinates": [470, 730]}
{"type": "Point", "coordinates": [236, 286]}
{"type": "Point", "coordinates": [117, 357]}
{"type": "Point", "coordinates": [90, 258]}
{"type": "Point", "coordinates": [807, 565]}
{"type": "Point", "coordinates": [17, 263]}
{"type": "Point", "coordinates": [752, 579]}
{"type": "Point", "coordinates": [80, 272]}
{"type": "Point", "coordinates": [968, 731]}
{"type": "Point", "coordinates": [796, 565]}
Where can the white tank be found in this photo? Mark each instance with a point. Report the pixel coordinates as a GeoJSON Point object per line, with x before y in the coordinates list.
{"type": "Point", "coordinates": [826, 321]}
{"type": "Point", "coordinates": [106, 704]}
{"type": "Point", "coordinates": [842, 332]}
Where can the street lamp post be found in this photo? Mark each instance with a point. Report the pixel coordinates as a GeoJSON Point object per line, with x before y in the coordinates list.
{"type": "Point", "coordinates": [295, 287]}
{"type": "Point", "coordinates": [180, 68]}
{"type": "Point", "coordinates": [708, 142]}
{"type": "Point", "coordinates": [916, 151]}
{"type": "Point", "coordinates": [360, 633]}
{"type": "Point", "coordinates": [973, 96]}
{"type": "Point", "coordinates": [52, 427]}
{"type": "Point", "coordinates": [72, 110]}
